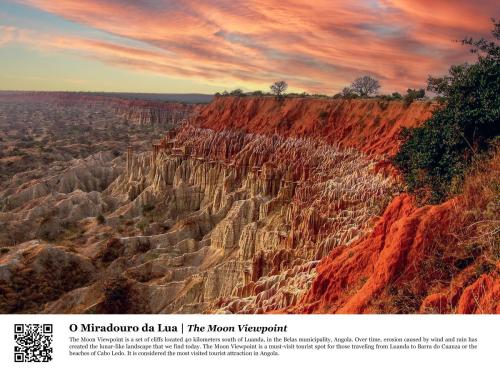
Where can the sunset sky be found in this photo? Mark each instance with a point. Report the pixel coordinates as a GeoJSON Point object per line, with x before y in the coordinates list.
{"type": "Point", "coordinates": [203, 46]}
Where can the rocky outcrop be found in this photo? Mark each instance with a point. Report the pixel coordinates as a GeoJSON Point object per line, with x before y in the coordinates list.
{"type": "Point", "coordinates": [43, 208]}
{"type": "Point", "coordinates": [250, 217]}
{"type": "Point", "coordinates": [34, 273]}
{"type": "Point", "coordinates": [351, 278]}
{"type": "Point", "coordinates": [481, 297]}
{"type": "Point", "coordinates": [410, 263]}
{"type": "Point", "coordinates": [152, 113]}
{"type": "Point", "coordinates": [369, 125]}
{"type": "Point", "coordinates": [136, 111]}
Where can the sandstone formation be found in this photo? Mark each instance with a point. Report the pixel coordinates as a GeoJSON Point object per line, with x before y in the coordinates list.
{"type": "Point", "coordinates": [247, 228]}
{"type": "Point", "coordinates": [43, 208]}
{"type": "Point", "coordinates": [397, 267]}
{"type": "Point", "coordinates": [246, 205]}
{"type": "Point", "coordinates": [138, 112]}
{"type": "Point", "coordinates": [36, 272]}
{"type": "Point", "coordinates": [371, 126]}
{"type": "Point", "coordinates": [152, 114]}
{"type": "Point", "coordinates": [432, 259]}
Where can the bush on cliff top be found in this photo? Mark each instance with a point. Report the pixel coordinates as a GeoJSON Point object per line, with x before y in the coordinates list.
{"type": "Point", "coordinates": [413, 94]}
{"type": "Point", "coordinates": [433, 157]}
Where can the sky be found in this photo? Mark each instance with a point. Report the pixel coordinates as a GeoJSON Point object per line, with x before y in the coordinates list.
{"type": "Point", "coordinates": [204, 46]}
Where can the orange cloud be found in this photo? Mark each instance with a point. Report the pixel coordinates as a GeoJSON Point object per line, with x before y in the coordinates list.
{"type": "Point", "coordinates": [316, 45]}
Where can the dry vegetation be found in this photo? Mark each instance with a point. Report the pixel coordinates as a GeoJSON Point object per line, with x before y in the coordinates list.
{"type": "Point", "coordinates": [458, 255]}
{"type": "Point", "coordinates": [36, 137]}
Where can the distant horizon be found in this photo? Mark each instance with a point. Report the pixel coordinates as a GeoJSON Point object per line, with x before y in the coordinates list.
{"type": "Point", "coordinates": [188, 98]}
{"type": "Point", "coordinates": [111, 92]}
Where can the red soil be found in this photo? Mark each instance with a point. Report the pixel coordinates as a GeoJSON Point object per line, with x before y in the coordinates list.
{"type": "Point", "coordinates": [369, 125]}
{"type": "Point", "coordinates": [481, 297]}
{"type": "Point", "coordinates": [398, 269]}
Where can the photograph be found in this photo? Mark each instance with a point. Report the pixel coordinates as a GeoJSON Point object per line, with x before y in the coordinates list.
{"type": "Point", "coordinates": [242, 186]}
{"type": "Point", "coordinates": [249, 157]}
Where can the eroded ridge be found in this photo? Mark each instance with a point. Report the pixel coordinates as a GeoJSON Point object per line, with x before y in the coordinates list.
{"type": "Point", "coordinates": [251, 216]}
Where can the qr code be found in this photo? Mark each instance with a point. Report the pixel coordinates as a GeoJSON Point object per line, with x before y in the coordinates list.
{"type": "Point", "coordinates": [33, 342]}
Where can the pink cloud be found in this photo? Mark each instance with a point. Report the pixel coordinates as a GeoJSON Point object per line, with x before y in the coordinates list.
{"type": "Point", "coordinates": [8, 34]}
{"type": "Point", "coordinates": [317, 46]}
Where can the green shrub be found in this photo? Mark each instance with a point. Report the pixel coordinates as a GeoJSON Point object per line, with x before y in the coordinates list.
{"type": "Point", "coordinates": [434, 156]}
{"type": "Point", "coordinates": [397, 96]}
{"type": "Point", "coordinates": [114, 249]}
{"type": "Point", "coordinates": [142, 225]}
{"type": "Point", "coordinates": [348, 93]}
{"type": "Point", "coordinates": [116, 296]}
{"type": "Point", "coordinates": [237, 92]}
{"type": "Point", "coordinates": [412, 95]}
{"type": "Point", "coordinates": [100, 219]}
{"type": "Point", "coordinates": [147, 207]}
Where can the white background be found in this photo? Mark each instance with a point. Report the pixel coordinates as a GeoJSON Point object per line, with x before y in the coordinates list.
{"type": "Point", "coordinates": [483, 360]}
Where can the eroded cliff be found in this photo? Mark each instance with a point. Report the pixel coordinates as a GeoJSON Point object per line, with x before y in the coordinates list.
{"type": "Point", "coordinates": [141, 112]}
{"type": "Point", "coordinates": [371, 126]}
{"type": "Point", "coordinates": [248, 218]}
{"type": "Point", "coordinates": [253, 206]}
{"type": "Point", "coordinates": [136, 111]}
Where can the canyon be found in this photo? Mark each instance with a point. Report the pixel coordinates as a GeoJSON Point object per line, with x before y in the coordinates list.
{"type": "Point", "coordinates": [242, 205]}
